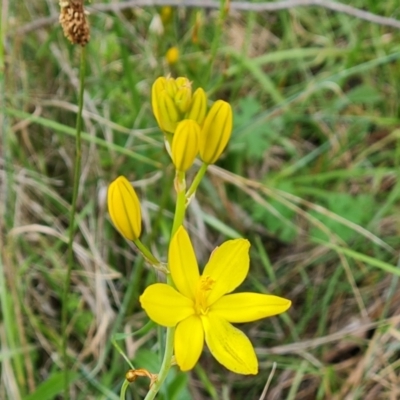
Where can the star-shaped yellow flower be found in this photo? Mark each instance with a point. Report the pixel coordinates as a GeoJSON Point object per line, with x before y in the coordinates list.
{"type": "Point", "coordinates": [201, 308]}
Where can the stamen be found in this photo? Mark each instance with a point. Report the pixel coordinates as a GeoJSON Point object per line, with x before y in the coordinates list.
{"type": "Point", "coordinates": [205, 285]}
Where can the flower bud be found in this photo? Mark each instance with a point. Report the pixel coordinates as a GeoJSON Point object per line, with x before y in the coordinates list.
{"type": "Point", "coordinates": [157, 88]}
{"type": "Point", "coordinates": [181, 81]}
{"type": "Point", "coordinates": [216, 131]}
{"type": "Point", "coordinates": [185, 144]}
{"type": "Point", "coordinates": [170, 100]}
{"type": "Point", "coordinates": [171, 87]}
{"type": "Point", "coordinates": [198, 107]}
{"type": "Point", "coordinates": [124, 208]}
{"type": "Point", "coordinates": [168, 113]}
{"type": "Point", "coordinates": [183, 98]}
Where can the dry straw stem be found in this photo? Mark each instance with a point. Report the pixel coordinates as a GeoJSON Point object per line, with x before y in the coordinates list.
{"type": "Point", "coordinates": [235, 5]}
{"type": "Point", "coordinates": [289, 200]}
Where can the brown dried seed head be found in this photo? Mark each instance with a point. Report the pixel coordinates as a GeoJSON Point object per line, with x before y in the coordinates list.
{"type": "Point", "coordinates": [73, 21]}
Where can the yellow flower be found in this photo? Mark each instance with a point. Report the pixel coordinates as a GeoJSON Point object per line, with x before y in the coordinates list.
{"type": "Point", "coordinates": [185, 144]}
{"type": "Point", "coordinates": [124, 208]}
{"type": "Point", "coordinates": [172, 55]}
{"type": "Point", "coordinates": [202, 309]}
{"type": "Point", "coordinates": [166, 14]}
{"type": "Point", "coordinates": [216, 131]}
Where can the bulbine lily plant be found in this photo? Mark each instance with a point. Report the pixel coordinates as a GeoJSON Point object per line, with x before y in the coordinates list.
{"type": "Point", "coordinates": [194, 308]}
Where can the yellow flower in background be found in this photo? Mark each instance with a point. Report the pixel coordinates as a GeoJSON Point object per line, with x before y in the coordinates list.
{"type": "Point", "coordinates": [202, 309]}
{"type": "Point", "coordinates": [172, 55]}
{"type": "Point", "coordinates": [166, 14]}
{"type": "Point", "coordinates": [216, 131]}
{"type": "Point", "coordinates": [185, 144]}
{"type": "Point", "coordinates": [124, 208]}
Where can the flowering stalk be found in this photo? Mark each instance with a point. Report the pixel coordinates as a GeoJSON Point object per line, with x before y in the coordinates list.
{"type": "Point", "coordinates": [180, 186]}
{"type": "Point", "coordinates": [165, 366]}
{"type": "Point", "coordinates": [148, 255]}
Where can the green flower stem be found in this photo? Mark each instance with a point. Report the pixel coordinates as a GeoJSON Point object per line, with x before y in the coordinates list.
{"type": "Point", "coordinates": [180, 187]}
{"type": "Point", "coordinates": [196, 181]}
{"type": "Point", "coordinates": [70, 251]}
{"type": "Point", "coordinates": [165, 366]}
{"type": "Point", "coordinates": [147, 254]}
{"type": "Point", "coordinates": [125, 386]}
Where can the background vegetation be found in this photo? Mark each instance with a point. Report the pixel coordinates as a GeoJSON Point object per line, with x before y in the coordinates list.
{"type": "Point", "coordinates": [310, 177]}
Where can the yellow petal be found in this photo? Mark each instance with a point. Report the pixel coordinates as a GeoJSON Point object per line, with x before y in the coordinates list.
{"type": "Point", "coordinates": [124, 208]}
{"type": "Point", "coordinates": [183, 264]}
{"type": "Point", "coordinates": [246, 307]}
{"type": "Point", "coordinates": [230, 346]}
{"type": "Point", "coordinates": [216, 131]}
{"type": "Point", "coordinates": [185, 144]}
{"type": "Point", "coordinates": [228, 267]}
{"type": "Point", "coordinates": [189, 342]}
{"type": "Point", "coordinates": [164, 305]}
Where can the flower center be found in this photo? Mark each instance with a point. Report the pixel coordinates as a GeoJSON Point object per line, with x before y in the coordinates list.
{"type": "Point", "coordinates": [204, 286]}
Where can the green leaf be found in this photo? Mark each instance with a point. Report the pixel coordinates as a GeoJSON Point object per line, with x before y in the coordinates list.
{"type": "Point", "coordinates": [252, 139]}
{"type": "Point", "coordinates": [356, 209]}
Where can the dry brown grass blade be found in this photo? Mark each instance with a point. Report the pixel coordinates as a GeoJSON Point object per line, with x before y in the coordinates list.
{"type": "Point", "coordinates": [283, 197]}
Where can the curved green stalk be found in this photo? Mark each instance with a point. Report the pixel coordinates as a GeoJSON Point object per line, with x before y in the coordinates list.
{"type": "Point", "coordinates": [148, 255]}
{"type": "Point", "coordinates": [125, 386]}
{"type": "Point", "coordinates": [196, 181]}
{"type": "Point", "coordinates": [165, 366]}
{"type": "Point", "coordinates": [70, 252]}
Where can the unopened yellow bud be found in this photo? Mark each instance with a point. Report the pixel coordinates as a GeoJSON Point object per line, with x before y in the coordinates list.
{"type": "Point", "coordinates": [171, 87]}
{"type": "Point", "coordinates": [168, 113]}
{"type": "Point", "coordinates": [181, 81]}
{"type": "Point", "coordinates": [158, 87]}
{"type": "Point", "coordinates": [185, 144]}
{"type": "Point", "coordinates": [124, 208]}
{"type": "Point", "coordinates": [171, 98]}
{"type": "Point", "coordinates": [198, 107]}
{"type": "Point", "coordinates": [172, 55]}
{"type": "Point", "coordinates": [183, 98]}
{"type": "Point", "coordinates": [216, 131]}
